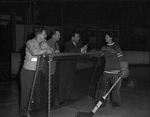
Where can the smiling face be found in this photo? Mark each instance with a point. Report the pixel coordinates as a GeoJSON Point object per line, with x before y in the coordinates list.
{"type": "Point", "coordinates": [40, 34]}
{"type": "Point", "coordinates": [108, 39]}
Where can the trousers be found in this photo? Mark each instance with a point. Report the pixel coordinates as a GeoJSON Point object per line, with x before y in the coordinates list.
{"type": "Point", "coordinates": [104, 84]}
{"type": "Point", "coordinates": [26, 80]}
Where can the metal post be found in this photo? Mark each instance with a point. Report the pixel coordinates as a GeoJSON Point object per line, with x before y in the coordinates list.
{"type": "Point", "coordinates": [49, 86]}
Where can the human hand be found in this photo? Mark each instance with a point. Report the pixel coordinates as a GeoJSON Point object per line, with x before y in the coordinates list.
{"type": "Point", "coordinates": [57, 51]}
{"type": "Point", "coordinates": [84, 51]}
{"type": "Point", "coordinates": [84, 48]}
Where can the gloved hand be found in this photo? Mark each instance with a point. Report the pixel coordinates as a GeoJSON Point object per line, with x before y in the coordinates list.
{"type": "Point", "coordinates": [120, 73]}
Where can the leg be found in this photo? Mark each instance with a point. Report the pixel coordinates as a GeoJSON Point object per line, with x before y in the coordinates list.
{"type": "Point", "coordinates": [115, 93]}
{"type": "Point", "coordinates": [26, 85]}
{"type": "Point", "coordinates": [66, 74]}
{"type": "Point", "coordinates": [69, 79]}
{"type": "Point", "coordinates": [102, 89]}
{"type": "Point", "coordinates": [54, 90]}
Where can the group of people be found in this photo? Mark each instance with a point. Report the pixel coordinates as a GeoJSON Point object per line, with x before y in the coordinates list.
{"type": "Point", "coordinates": [39, 45]}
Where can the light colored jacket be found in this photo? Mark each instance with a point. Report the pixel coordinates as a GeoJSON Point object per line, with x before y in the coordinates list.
{"type": "Point", "coordinates": [32, 50]}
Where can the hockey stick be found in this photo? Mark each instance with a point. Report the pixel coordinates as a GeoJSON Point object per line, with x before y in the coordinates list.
{"type": "Point", "coordinates": [91, 113]}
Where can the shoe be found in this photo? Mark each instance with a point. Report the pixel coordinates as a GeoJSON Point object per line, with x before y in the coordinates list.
{"type": "Point", "coordinates": [70, 100]}
{"type": "Point", "coordinates": [115, 104]}
{"type": "Point", "coordinates": [62, 103]}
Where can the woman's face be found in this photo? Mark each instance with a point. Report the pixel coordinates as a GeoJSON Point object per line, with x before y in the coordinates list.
{"type": "Point", "coordinates": [108, 39]}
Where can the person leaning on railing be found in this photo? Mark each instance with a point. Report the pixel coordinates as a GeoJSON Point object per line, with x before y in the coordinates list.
{"type": "Point", "coordinates": [52, 43]}
{"type": "Point", "coordinates": [74, 46]}
{"type": "Point", "coordinates": [34, 47]}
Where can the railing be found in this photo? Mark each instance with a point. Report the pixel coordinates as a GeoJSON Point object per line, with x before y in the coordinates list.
{"type": "Point", "coordinates": [57, 80]}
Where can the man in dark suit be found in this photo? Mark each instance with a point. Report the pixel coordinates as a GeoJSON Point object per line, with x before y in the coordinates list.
{"type": "Point", "coordinates": [68, 68]}
{"type": "Point", "coordinates": [74, 46]}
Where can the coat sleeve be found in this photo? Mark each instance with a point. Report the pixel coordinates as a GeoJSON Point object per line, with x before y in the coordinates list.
{"type": "Point", "coordinates": [69, 47]}
{"type": "Point", "coordinates": [33, 48]}
{"type": "Point", "coordinates": [119, 53]}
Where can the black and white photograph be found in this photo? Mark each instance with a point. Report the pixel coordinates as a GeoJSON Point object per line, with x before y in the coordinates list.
{"type": "Point", "coordinates": [74, 58]}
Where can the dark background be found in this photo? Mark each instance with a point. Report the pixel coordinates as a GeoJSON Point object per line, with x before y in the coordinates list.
{"type": "Point", "coordinates": [128, 19]}
{"type": "Point", "coordinates": [122, 15]}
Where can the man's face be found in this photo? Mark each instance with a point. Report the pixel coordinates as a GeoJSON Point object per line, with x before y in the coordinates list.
{"type": "Point", "coordinates": [57, 35]}
{"type": "Point", "coordinates": [43, 35]}
{"type": "Point", "coordinates": [76, 38]}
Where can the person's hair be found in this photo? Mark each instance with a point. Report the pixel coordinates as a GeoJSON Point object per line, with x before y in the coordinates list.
{"type": "Point", "coordinates": [39, 30]}
{"type": "Point", "coordinates": [111, 35]}
{"type": "Point", "coordinates": [74, 32]}
{"type": "Point", "coordinates": [53, 32]}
